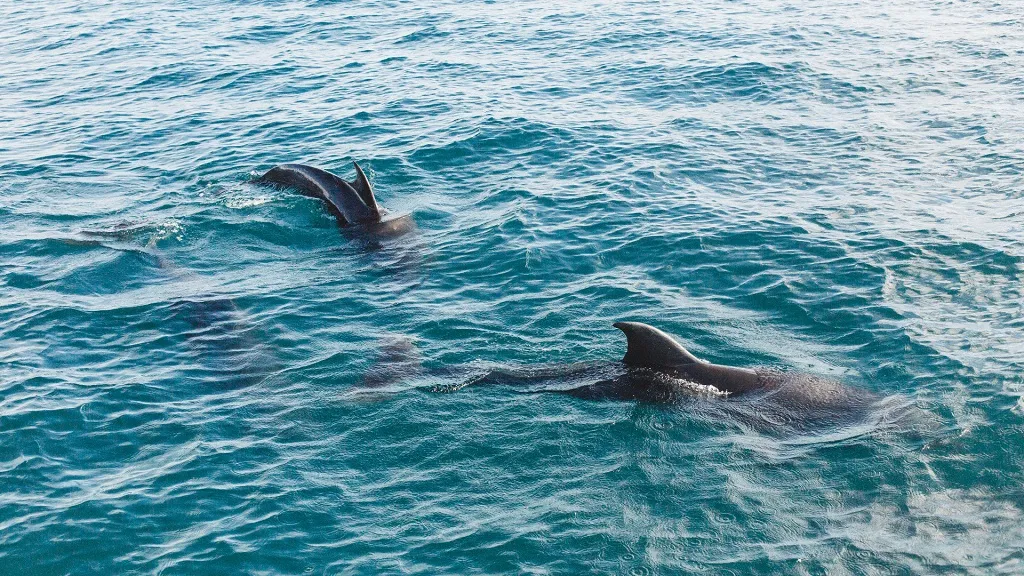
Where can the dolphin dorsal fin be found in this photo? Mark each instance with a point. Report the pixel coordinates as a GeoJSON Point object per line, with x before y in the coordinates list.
{"type": "Point", "coordinates": [362, 187]}
{"type": "Point", "coordinates": [647, 346]}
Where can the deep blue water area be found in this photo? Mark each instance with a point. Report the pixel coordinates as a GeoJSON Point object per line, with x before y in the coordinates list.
{"type": "Point", "coordinates": [835, 188]}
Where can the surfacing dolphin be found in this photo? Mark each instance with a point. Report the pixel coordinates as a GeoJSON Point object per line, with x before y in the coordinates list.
{"type": "Point", "coordinates": [651, 349]}
{"type": "Point", "coordinates": [352, 203]}
{"type": "Point", "coordinates": [657, 369]}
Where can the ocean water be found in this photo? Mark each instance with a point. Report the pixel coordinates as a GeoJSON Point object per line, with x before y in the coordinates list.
{"type": "Point", "coordinates": [834, 188]}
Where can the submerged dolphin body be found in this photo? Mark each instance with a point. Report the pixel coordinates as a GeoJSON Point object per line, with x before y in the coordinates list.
{"type": "Point", "coordinates": [228, 346]}
{"type": "Point", "coordinates": [352, 203]}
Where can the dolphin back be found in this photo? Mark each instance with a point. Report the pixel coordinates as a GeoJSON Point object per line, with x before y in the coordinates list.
{"type": "Point", "coordinates": [648, 347]}
{"type": "Point", "coordinates": [350, 202]}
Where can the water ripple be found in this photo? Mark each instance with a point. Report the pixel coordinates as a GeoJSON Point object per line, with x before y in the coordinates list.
{"type": "Point", "coordinates": [829, 187]}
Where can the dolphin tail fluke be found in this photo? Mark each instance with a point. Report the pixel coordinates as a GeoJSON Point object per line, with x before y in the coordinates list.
{"type": "Point", "coordinates": [649, 347]}
{"type": "Point", "coordinates": [362, 187]}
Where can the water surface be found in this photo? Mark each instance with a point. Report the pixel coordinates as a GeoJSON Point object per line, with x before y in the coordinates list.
{"type": "Point", "coordinates": [833, 188]}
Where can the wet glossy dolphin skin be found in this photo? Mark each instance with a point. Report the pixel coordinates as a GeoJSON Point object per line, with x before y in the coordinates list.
{"type": "Point", "coordinates": [651, 349]}
{"type": "Point", "coordinates": [658, 370]}
{"type": "Point", "coordinates": [351, 203]}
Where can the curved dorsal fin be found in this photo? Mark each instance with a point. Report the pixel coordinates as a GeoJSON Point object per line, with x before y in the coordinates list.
{"type": "Point", "coordinates": [362, 187]}
{"type": "Point", "coordinates": [647, 346]}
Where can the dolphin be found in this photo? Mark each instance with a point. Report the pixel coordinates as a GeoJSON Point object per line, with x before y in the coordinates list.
{"type": "Point", "coordinates": [352, 203]}
{"type": "Point", "coordinates": [650, 349]}
{"type": "Point", "coordinates": [657, 369]}
{"type": "Point", "coordinates": [227, 345]}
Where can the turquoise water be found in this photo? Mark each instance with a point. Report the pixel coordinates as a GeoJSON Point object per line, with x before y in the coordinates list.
{"type": "Point", "coordinates": [832, 188]}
